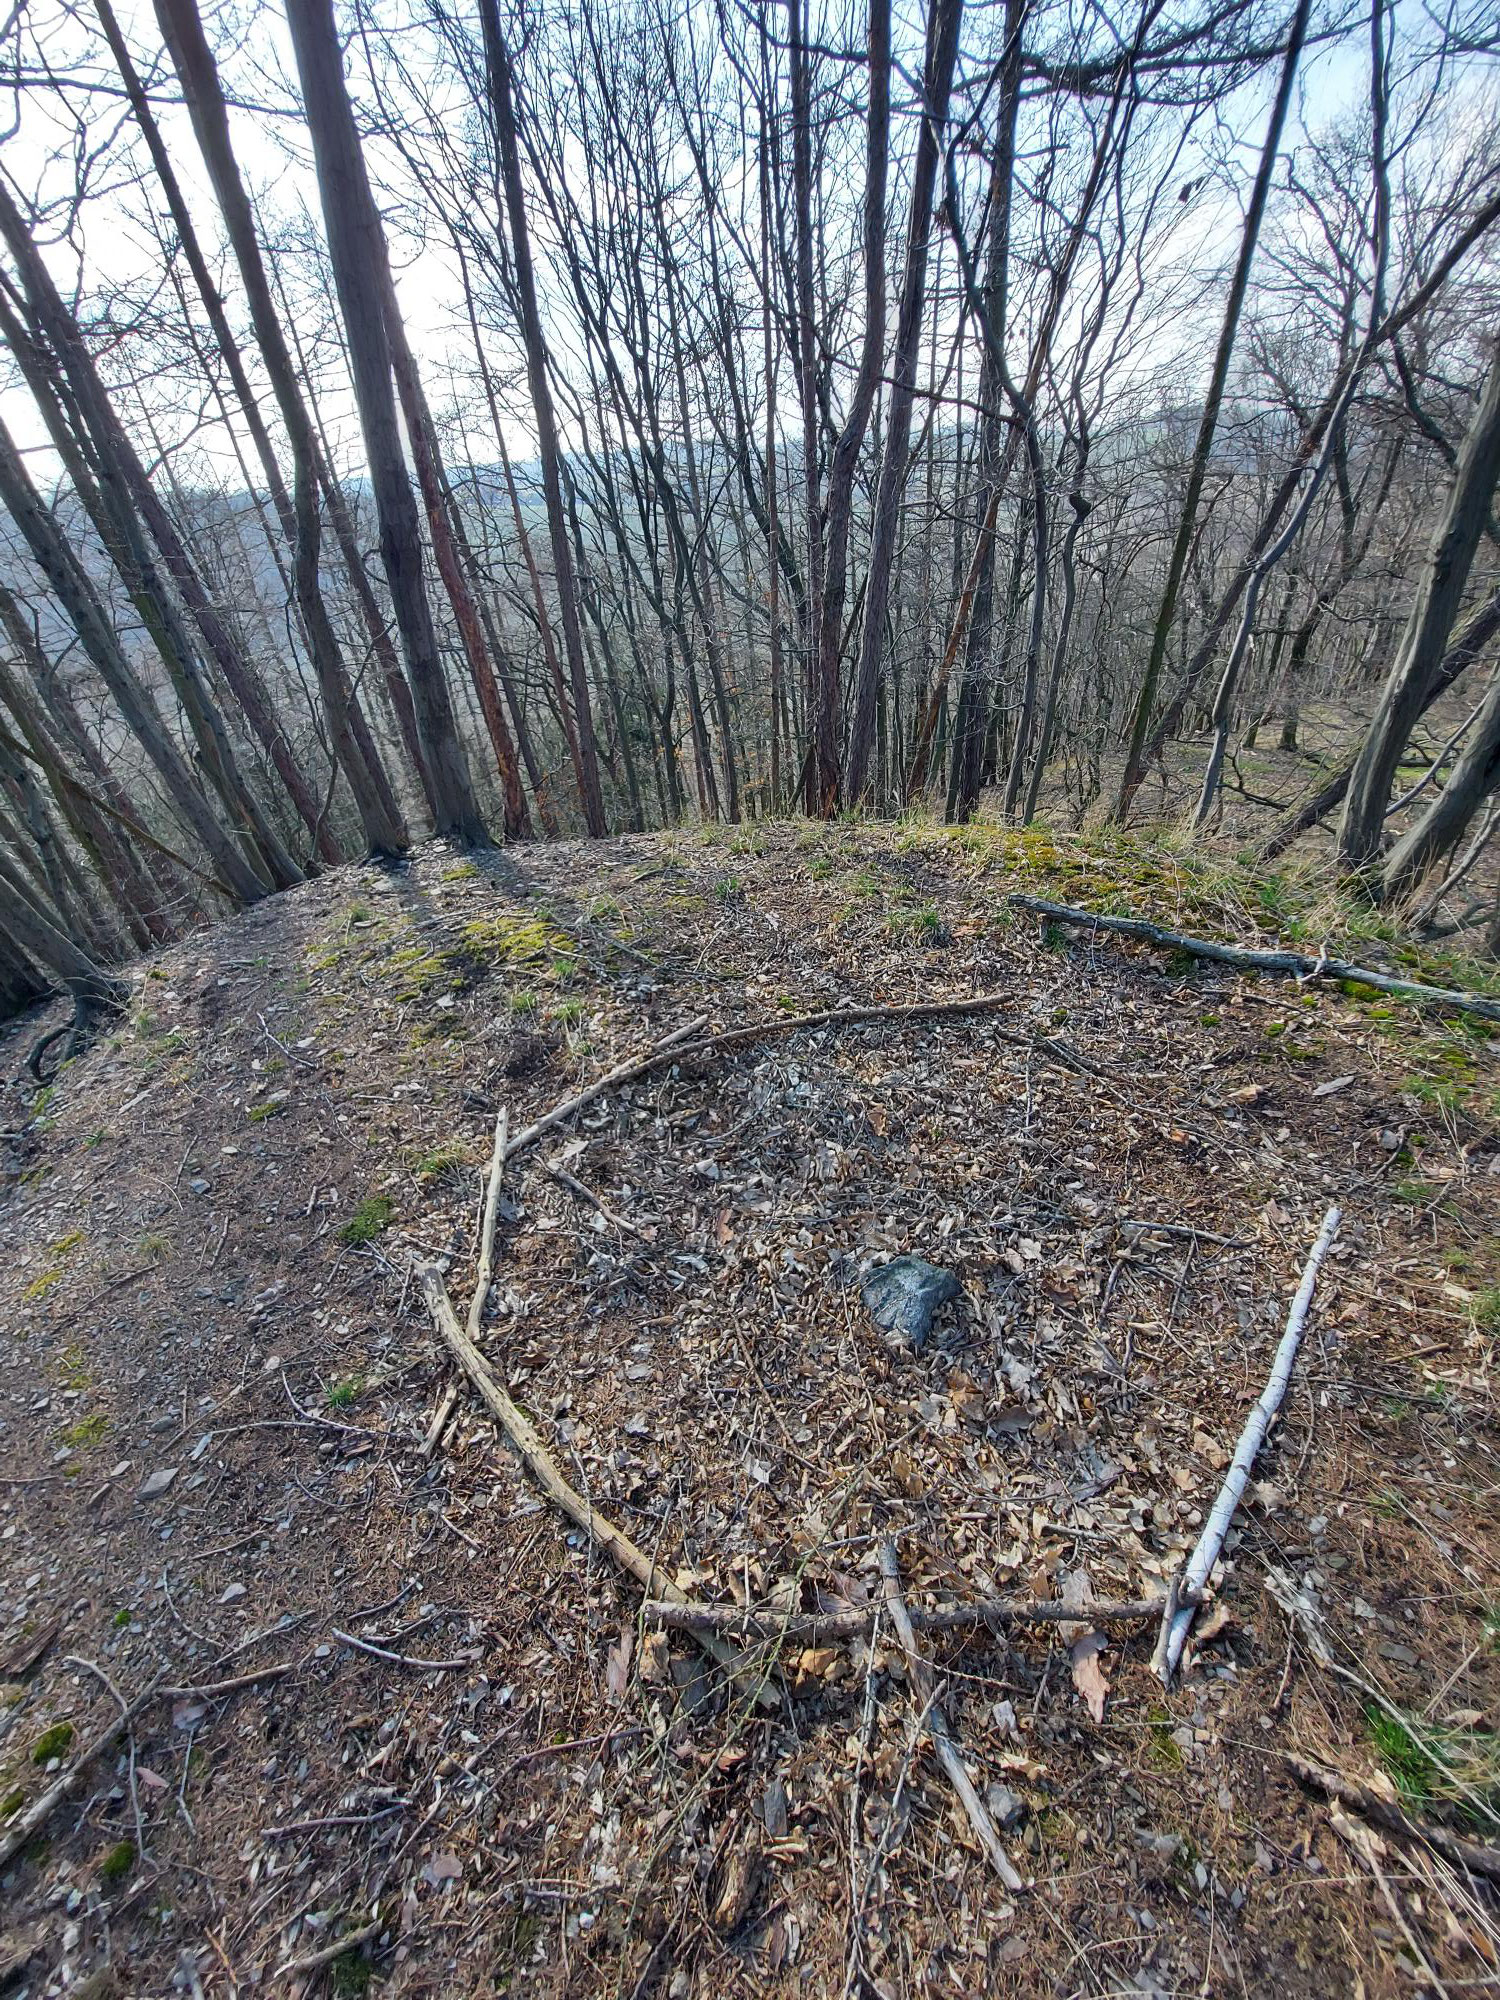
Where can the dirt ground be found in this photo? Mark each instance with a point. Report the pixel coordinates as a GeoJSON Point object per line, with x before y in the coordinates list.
{"type": "Point", "coordinates": [461, 1763]}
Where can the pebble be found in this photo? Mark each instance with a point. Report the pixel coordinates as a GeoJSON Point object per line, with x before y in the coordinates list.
{"type": "Point", "coordinates": [158, 1483]}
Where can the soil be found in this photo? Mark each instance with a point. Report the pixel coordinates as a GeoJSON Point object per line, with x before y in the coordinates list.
{"type": "Point", "coordinates": [210, 1225]}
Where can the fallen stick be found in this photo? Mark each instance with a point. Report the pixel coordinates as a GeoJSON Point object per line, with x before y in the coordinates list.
{"type": "Point", "coordinates": [36, 1815]}
{"type": "Point", "coordinates": [213, 1690]}
{"type": "Point", "coordinates": [1470, 1854]}
{"type": "Point", "coordinates": [937, 1724]}
{"type": "Point", "coordinates": [439, 1422]}
{"type": "Point", "coordinates": [1200, 1563]}
{"type": "Point", "coordinates": [403, 1659]}
{"type": "Point", "coordinates": [314, 1961]}
{"type": "Point", "coordinates": [484, 1275]}
{"type": "Point", "coordinates": [539, 1462]}
{"type": "Point", "coordinates": [691, 1041]}
{"type": "Point", "coordinates": [828, 1628]}
{"type": "Point", "coordinates": [1293, 964]}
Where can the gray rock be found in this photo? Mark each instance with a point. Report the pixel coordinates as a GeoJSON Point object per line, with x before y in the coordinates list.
{"type": "Point", "coordinates": [157, 1484]}
{"type": "Point", "coordinates": [904, 1295]}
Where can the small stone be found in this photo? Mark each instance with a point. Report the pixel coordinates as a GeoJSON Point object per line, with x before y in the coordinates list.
{"type": "Point", "coordinates": [233, 1593]}
{"type": "Point", "coordinates": [903, 1296]}
{"type": "Point", "coordinates": [158, 1483]}
{"type": "Point", "coordinates": [199, 1186]}
{"type": "Point", "coordinates": [1005, 1807]}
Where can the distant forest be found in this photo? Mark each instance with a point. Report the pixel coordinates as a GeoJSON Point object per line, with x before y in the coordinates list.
{"type": "Point", "coordinates": [509, 421]}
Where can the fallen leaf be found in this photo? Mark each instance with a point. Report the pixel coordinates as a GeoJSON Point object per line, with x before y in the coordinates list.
{"type": "Point", "coordinates": [1088, 1676]}
{"type": "Point", "coordinates": [444, 1867]}
{"type": "Point", "coordinates": [617, 1668]}
{"type": "Point", "coordinates": [1334, 1083]}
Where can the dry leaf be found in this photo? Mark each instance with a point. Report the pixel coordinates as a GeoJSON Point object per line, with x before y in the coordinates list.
{"type": "Point", "coordinates": [1088, 1676]}
{"type": "Point", "coordinates": [1333, 1084]}
{"type": "Point", "coordinates": [617, 1671]}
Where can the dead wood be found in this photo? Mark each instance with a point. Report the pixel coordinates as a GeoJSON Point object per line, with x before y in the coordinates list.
{"type": "Point", "coordinates": [1292, 964]}
{"type": "Point", "coordinates": [1175, 1621]}
{"type": "Point", "coordinates": [36, 1815]}
{"type": "Point", "coordinates": [937, 1725]}
{"type": "Point", "coordinates": [539, 1462]}
{"type": "Point", "coordinates": [828, 1628]}
{"type": "Point", "coordinates": [691, 1041]}
{"type": "Point", "coordinates": [1471, 1854]}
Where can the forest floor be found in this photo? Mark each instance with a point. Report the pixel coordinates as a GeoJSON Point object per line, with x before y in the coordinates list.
{"type": "Point", "coordinates": [216, 1373]}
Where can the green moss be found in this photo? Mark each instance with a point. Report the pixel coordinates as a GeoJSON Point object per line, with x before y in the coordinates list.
{"type": "Point", "coordinates": [461, 871]}
{"type": "Point", "coordinates": [368, 1220]}
{"type": "Point", "coordinates": [270, 1107]}
{"type": "Point", "coordinates": [342, 1394]}
{"type": "Point", "coordinates": [12, 1803]}
{"type": "Point", "coordinates": [118, 1863]}
{"type": "Point", "coordinates": [40, 1286]}
{"type": "Point", "coordinates": [52, 1742]}
{"type": "Point", "coordinates": [441, 1160]}
{"type": "Point", "coordinates": [122, 1618]}
{"type": "Point", "coordinates": [91, 1430]}
{"type": "Point", "coordinates": [349, 1975]}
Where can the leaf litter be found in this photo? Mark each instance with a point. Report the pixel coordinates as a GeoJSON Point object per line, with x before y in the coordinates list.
{"type": "Point", "coordinates": [1121, 1170]}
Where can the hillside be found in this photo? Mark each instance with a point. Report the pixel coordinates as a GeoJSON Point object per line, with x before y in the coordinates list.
{"type": "Point", "coordinates": [457, 1759]}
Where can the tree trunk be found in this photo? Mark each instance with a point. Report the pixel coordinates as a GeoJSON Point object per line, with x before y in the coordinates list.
{"type": "Point", "coordinates": [1434, 608]}
{"type": "Point", "coordinates": [369, 784]}
{"type": "Point", "coordinates": [943, 21]}
{"type": "Point", "coordinates": [502, 97]}
{"type": "Point", "coordinates": [70, 583]}
{"type": "Point", "coordinates": [361, 272]}
{"type": "Point", "coordinates": [1135, 766]}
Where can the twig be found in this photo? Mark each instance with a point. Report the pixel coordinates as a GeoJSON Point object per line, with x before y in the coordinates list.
{"type": "Point", "coordinates": [937, 1725]}
{"type": "Point", "coordinates": [1368, 1847]}
{"type": "Point", "coordinates": [683, 1045]}
{"type": "Point", "coordinates": [1294, 964]}
{"type": "Point", "coordinates": [296, 1826]}
{"type": "Point", "coordinates": [1257, 1424]}
{"type": "Point", "coordinates": [40, 1811]}
{"type": "Point", "coordinates": [440, 1418]}
{"type": "Point", "coordinates": [127, 1724]}
{"type": "Point", "coordinates": [743, 1622]}
{"type": "Point", "coordinates": [1469, 1854]}
{"type": "Point", "coordinates": [213, 1690]}
{"type": "Point", "coordinates": [539, 1462]}
{"type": "Point", "coordinates": [402, 1659]}
{"type": "Point", "coordinates": [1169, 1611]}
{"type": "Point", "coordinates": [314, 1961]}
{"type": "Point", "coordinates": [484, 1275]}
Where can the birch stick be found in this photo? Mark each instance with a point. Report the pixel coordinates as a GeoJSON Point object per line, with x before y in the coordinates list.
{"type": "Point", "coordinates": [1200, 1563]}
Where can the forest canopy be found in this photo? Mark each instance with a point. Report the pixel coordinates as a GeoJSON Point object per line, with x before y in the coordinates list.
{"type": "Point", "coordinates": [509, 422]}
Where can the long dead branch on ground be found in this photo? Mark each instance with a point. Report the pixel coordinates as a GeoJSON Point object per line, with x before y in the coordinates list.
{"type": "Point", "coordinates": [1292, 964]}
{"type": "Point", "coordinates": [614, 1542]}
{"type": "Point", "coordinates": [1179, 1613]}
{"type": "Point", "coordinates": [692, 1041]}
{"type": "Point", "coordinates": [829, 1628]}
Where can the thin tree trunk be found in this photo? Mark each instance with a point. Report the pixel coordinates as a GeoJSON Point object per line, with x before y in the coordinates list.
{"type": "Point", "coordinates": [1135, 765]}
{"type": "Point", "coordinates": [369, 784]}
{"type": "Point", "coordinates": [361, 272]}
{"type": "Point", "coordinates": [70, 583]}
{"type": "Point", "coordinates": [1434, 608]}
{"type": "Point", "coordinates": [944, 18]}
{"type": "Point", "coordinates": [502, 98]}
